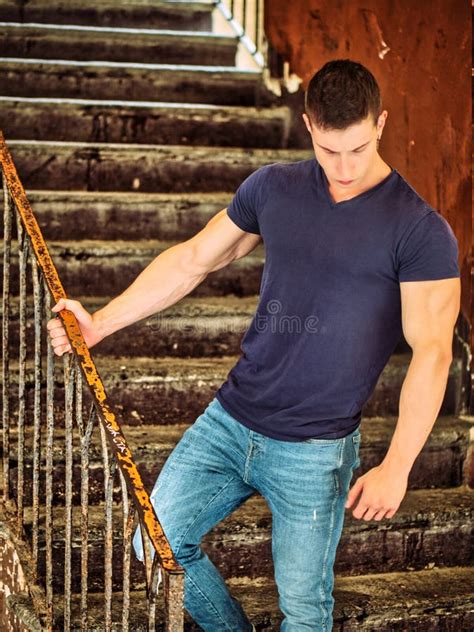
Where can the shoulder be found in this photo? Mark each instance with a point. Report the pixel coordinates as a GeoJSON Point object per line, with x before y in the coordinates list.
{"type": "Point", "coordinates": [285, 175]}
{"type": "Point", "coordinates": [426, 246]}
{"type": "Point", "coordinates": [410, 210]}
{"type": "Point", "coordinates": [286, 169]}
{"type": "Point", "coordinates": [429, 250]}
{"type": "Point", "coordinates": [276, 177]}
{"type": "Point", "coordinates": [408, 198]}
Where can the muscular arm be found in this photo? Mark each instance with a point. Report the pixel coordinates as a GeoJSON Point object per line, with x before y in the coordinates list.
{"type": "Point", "coordinates": [176, 272]}
{"type": "Point", "coordinates": [168, 278]}
{"type": "Point", "coordinates": [429, 313]}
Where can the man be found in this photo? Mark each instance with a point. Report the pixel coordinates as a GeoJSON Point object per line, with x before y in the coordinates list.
{"type": "Point", "coordinates": [354, 257]}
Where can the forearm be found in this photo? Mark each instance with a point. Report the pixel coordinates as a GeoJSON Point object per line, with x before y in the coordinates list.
{"type": "Point", "coordinates": [162, 283]}
{"type": "Point", "coordinates": [421, 397]}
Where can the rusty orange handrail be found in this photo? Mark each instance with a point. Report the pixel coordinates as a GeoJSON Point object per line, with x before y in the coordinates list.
{"type": "Point", "coordinates": [106, 415]}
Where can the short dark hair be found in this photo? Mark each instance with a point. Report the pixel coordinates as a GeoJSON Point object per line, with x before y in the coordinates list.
{"type": "Point", "coordinates": [341, 93]}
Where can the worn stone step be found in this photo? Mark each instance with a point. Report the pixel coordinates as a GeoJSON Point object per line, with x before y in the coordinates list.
{"type": "Point", "coordinates": [221, 85]}
{"type": "Point", "coordinates": [434, 600]}
{"type": "Point", "coordinates": [440, 463]}
{"type": "Point", "coordinates": [213, 327]}
{"type": "Point", "coordinates": [196, 16]}
{"type": "Point", "coordinates": [144, 168]}
{"type": "Point", "coordinates": [183, 386]}
{"type": "Point", "coordinates": [180, 387]}
{"type": "Point", "coordinates": [107, 215]}
{"type": "Point", "coordinates": [431, 528]}
{"type": "Point", "coordinates": [90, 121]}
{"type": "Point", "coordinates": [95, 43]}
{"type": "Point", "coordinates": [193, 327]}
{"type": "Point", "coordinates": [95, 268]}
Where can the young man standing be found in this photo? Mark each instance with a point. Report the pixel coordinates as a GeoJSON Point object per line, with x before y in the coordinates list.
{"type": "Point", "coordinates": [354, 258]}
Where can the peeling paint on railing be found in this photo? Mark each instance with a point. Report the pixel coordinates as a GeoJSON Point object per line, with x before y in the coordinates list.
{"type": "Point", "coordinates": [30, 238]}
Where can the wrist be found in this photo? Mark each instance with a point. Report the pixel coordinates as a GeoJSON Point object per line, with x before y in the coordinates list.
{"type": "Point", "coordinates": [100, 326]}
{"type": "Point", "coordinates": [396, 466]}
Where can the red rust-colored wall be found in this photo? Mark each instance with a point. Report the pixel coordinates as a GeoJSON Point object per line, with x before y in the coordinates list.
{"type": "Point", "coordinates": [420, 53]}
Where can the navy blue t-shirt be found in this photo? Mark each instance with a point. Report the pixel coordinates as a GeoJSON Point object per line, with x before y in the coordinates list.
{"type": "Point", "coordinates": [329, 314]}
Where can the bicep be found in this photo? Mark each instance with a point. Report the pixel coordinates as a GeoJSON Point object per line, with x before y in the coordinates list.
{"type": "Point", "coordinates": [429, 312]}
{"type": "Point", "coordinates": [219, 243]}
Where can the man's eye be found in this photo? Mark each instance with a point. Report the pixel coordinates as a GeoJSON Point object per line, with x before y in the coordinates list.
{"type": "Point", "coordinates": [355, 151]}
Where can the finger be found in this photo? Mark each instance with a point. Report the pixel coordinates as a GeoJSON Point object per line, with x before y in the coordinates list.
{"type": "Point", "coordinates": [65, 303]}
{"type": "Point", "coordinates": [61, 304]}
{"type": "Point", "coordinates": [391, 513]}
{"type": "Point", "coordinates": [360, 510]}
{"type": "Point", "coordinates": [59, 341]}
{"type": "Point", "coordinates": [354, 492]}
{"type": "Point", "coordinates": [57, 333]}
{"type": "Point", "coordinates": [54, 323]}
{"type": "Point", "coordinates": [76, 308]}
{"type": "Point", "coordinates": [380, 514]}
{"type": "Point", "coordinates": [61, 350]}
{"type": "Point", "coordinates": [370, 513]}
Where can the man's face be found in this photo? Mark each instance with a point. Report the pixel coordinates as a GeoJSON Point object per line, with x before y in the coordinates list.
{"type": "Point", "coordinates": [348, 156]}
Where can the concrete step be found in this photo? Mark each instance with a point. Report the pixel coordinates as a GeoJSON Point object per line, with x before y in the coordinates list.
{"type": "Point", "coordinates": [194, 327]}
{"type": "Point", "coordinates": [94, 43]}
{"type": "Point", "coordinates": [195, 16]}
{"type": "Point", "coordinates": [144, 168]}
{"type": "Point", "coordinates": [213, 327]}
{"type": "Point", "coordinates": [90, 121]}
{"type": "Point", "coordinates": [221, 85]}
{"type": "Point", "coordinates": [440, 464]}
{"type": "Point", "coordinates": [108, 215]}
{"type": "Point", "coordinates": [431, 528]}
{"type": "Point", "coordinates": [434, 600]}
{"type": "Point", "coordinates": [180, 386]}
{"type": "Point", "coordinates": [96, 268]}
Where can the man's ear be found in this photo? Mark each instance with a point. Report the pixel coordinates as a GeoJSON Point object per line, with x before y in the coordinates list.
{"type": "Point", "coordinates": [381, 121]}
{"type": "Point", "coordinates": [307, 122]}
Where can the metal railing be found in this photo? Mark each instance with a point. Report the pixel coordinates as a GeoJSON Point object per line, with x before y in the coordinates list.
{"type": "Point", "coordinates": [50, 450]}
{"type": "Point", "coordinates": [246, 18]}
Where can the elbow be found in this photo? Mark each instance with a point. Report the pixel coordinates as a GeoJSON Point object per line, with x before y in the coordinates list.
{"type": "Point", "coordinates": [189, 261]}
{"type": "Point", "coordinates": [436, 352]}
{"type": "Point", "coordinates": [195, 262]}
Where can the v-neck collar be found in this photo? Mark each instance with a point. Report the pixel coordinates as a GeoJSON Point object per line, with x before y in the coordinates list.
{"type": "Point", "coordinates": [325, 186]}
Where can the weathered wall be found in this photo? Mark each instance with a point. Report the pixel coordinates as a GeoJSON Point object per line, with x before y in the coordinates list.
{"type": "Point", "coordinates": [17, 585]}
{"type": "Point", "coordinates": [420, 54]}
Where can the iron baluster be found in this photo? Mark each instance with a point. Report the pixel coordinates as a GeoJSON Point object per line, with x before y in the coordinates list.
{"type": "Point", "coordinates": [69, 368]}
{"type": "Point", "coordinates": [23, 244]}
{"type": "Point", "coordinates": [49, 474]}
{"type": "Point", "coordinates": [38, 314]}
{"type": "Point", "coordinates": [7, 239]}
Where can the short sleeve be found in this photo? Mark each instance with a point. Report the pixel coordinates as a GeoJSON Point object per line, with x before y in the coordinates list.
{"type": "Point", "coordinates": [430, 251]}
{"type": "Point", "coordinates": [244, 208]}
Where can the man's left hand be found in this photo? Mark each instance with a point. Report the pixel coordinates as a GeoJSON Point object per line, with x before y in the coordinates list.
{"type": "Point", "coordinates": [382, 490]}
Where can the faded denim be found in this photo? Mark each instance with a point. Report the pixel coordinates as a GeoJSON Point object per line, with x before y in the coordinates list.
{"type": "Point", "coordinates": [219, 463]}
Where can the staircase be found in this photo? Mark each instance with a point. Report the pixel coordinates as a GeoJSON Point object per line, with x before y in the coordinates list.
{"type": "Point", "coordinates": [129, 139]}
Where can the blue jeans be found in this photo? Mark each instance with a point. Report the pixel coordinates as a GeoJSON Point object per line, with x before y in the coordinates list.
{"type": "Point", "coordinates": [219, 463]}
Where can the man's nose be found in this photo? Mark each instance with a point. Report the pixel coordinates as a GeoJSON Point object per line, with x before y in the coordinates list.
{"type": "Point", "coordinates": [344, 168]}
